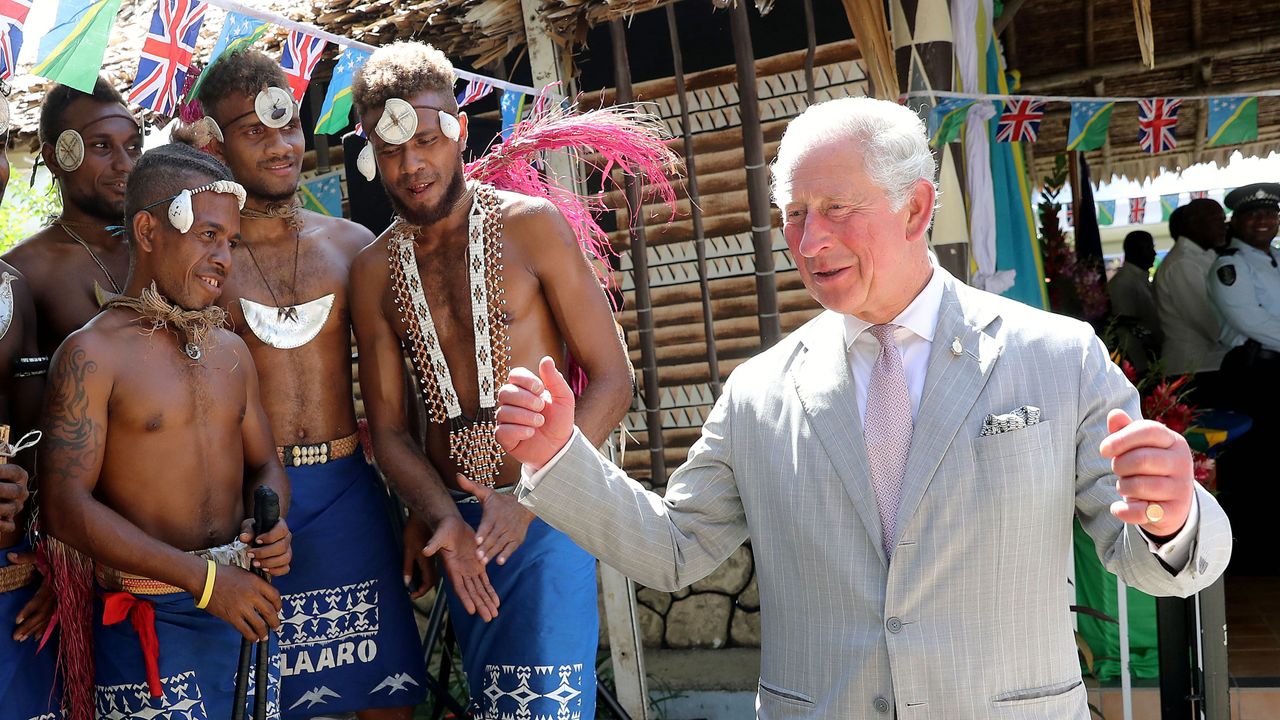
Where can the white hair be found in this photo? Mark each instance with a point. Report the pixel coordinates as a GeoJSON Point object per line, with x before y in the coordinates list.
{"type": "Point", "coordinates": [894, 143]}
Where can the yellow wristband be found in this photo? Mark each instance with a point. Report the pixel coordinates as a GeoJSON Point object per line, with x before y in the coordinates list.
{"type": "Point", "coordinates": [208, 585]}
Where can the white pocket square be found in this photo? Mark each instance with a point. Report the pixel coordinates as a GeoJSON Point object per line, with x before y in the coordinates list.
{"type": "Point", "coordinates": [1025, 416]}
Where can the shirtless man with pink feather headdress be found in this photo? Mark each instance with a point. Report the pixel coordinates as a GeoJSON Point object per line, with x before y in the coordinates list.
{"type": "Point", "coordinates": [469, 281]}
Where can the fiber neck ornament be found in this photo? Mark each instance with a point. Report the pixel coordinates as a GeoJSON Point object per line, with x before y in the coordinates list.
{"type": "Point", "coordinates": [194, 326]}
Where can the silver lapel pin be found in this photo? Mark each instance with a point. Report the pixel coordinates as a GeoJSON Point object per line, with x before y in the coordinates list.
{"type": "Point", "coordinates": [956, 348]}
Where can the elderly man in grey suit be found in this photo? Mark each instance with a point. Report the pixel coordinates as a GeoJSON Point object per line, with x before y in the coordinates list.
{"type": "Point", "coordinates": [907, 465]}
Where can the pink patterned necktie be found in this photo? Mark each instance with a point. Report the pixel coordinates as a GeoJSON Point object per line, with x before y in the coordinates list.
{"type": "Point", "coordinates": [886, 428]}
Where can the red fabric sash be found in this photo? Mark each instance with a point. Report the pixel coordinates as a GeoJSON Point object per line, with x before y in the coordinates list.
{"type": "Point", "coordinates": [142, 615]}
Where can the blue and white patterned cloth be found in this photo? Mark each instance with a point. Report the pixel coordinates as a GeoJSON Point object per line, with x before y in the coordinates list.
{"type": "Point", "coordinates": [349, 638]}
{"type": "Point", "coordinates": [537, 658]}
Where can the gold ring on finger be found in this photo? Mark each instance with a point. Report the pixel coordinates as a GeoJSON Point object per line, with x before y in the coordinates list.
{"type": "Point", "coordinates": [1155, 512]}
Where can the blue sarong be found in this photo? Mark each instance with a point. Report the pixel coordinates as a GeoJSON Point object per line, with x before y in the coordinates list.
{"type": "Point", "coordinates": [537, 658]}
{"type": "Point", "coordinates": [349, 637]}
{"type": "Point", "coordinates": [28, 680]}
{"type": "Point", "coordinates": [198, 659]}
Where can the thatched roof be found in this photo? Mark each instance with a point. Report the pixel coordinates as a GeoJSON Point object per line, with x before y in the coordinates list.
{"type": "Point", "coordinates": [120, 63]}
{"type": "Point", "coordinates": [479, 31]}
{"type": "Point", "coordinates": [1049, 43]}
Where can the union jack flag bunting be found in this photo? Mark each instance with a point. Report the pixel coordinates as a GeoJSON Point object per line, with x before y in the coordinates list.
{"type": "Point", "coordinates": [1199, 194]}
{"type": "Point", "coordinates": [166, 55]}
{"type": "Point", "coordinates": [1137, 210]}
{"type": "Point", "coordinates": [1020, 121]}
{"type": "Point", "coordinates": [1157, 118]}
{"type": "Point", "coordinates": [13, 15]}
{"type": "Point", "coordinates": [474, 91]}
{"type": "Point", "coordinates": [301, 54]}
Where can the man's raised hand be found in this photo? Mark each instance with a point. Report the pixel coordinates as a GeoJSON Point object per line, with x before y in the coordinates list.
{"type": "Point", "coordinates": [535, 414]}
{"type": "Point", "coordinates": [1152, 465]}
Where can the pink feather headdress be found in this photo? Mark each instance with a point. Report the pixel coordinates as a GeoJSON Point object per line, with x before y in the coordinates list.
{"type": "Point", "coordinates": [622, 137]}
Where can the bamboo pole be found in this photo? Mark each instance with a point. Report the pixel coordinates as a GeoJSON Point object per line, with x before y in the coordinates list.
{"type": "Point", "coordinates": [640, 273]}
{"type": "Point", "coordinates": [695, 208]}
{"type": "Point", "coordinates": [811, 36]}
{"type": "Point", "coordinates": [757, 178]}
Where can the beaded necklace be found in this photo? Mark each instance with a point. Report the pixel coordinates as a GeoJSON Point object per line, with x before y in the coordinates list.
{"type": "Point", "coordinates": [471, 440]}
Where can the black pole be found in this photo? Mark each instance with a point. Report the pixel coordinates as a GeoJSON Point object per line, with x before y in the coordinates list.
{"type": "Point", "coordinates": [640, 273]}
{"type": "Point", "coordinates": [757, 178]}
{"type": "Point", "coordinates": [811, 35]}
{"type": "Point", "coordinates": [695, 208]}
{"type": "Point", "coordinates": [1173, 616]}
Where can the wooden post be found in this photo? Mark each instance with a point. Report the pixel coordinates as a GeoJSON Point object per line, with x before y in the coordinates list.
{"type": "Point", "coordinates": [757, 178]}
{"type": "Point", "coordinates": [695, 207]}
{"type": "Point", "coordinates": [640, 273]}
{"type": "Point", "coordinates": [547, 62]}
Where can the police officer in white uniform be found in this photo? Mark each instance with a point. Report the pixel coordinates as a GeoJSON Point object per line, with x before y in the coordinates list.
{"type": "Point", "coordinates": [1244, 288]}
{"type": "Point", "coordinates": [1244, 282]}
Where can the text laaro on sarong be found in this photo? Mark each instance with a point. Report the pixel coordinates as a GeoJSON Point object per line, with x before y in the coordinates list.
{"type": "Point", "coordinates": [329, 628]}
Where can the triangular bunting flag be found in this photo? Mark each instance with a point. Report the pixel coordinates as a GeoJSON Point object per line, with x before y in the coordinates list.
{"type": "Point", "coordinates": [1232, 120]}
{"type": "Point", "coordinates": [1106, 212]}
{"type": "Point", "coordinates": [512, 104]}
{"type": "Point", "coordinates": [71, 52]}
{"type": "Point", "coordinates": [1137, 210]}
{"type": "Point", "coordinates": [1199, 194]}
{"type": "Point", "coordinates": [1168, 203]}
{"type": "Point", "coordinates": [1089, 123]}
{"type": "Point", "coordinates": [301, 54]}
{"type": "Point", "coordinates": [323, 194]}
{"type": "Point", "coordinates": [238, 31]}
{"type": "Point", "coordinates": [13, 16]}
{"type": "Point", "coordinates": [474, 90]}
{"type": "Point", "coordinates": [946, 119]}
{"type": "Point", "coordinates": [1020, 121]}
{"type": "Point", "coordinates": [1070, 213]}
{"type": "Point", "coordinates": [335, 114]}
{"type": "Point", "coordinates": [166, 55]}
{"type": "Point", "coordinates": [1157, 117]}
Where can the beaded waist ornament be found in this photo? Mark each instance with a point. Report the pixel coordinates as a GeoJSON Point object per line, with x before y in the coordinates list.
{"type": "Point", "coordinates": [471, 440]}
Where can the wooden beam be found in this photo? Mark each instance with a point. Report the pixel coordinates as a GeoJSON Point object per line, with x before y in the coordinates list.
{"type": "Point", "coordinates": [1088, 33]}
{"type": "Point", "coordinates": [1011, 8]}
{"type": "Point", "coordinates": [757, 178]}
{"type": "Point", "coordinates": [1252, 46]}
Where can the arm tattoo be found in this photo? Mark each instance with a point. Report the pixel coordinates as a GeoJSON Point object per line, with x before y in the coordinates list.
{"type": "Point", "coordinates": [72, 439]}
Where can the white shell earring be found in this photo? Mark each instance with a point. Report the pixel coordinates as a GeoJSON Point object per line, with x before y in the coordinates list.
{"type": "Point", "coordinates": [366, 164]}
{"type": "Point", "coordinates": [449, 126]}
{"type": "Point", "coordinates": [180, 213]}
{"type": "Point", "coordinates": [68, 151]}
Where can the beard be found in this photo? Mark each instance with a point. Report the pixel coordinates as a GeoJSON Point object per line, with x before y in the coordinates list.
{"type": "Point", "coordinates": [432, 214]}
{"type": "Point", "coordinates": [108, 211]}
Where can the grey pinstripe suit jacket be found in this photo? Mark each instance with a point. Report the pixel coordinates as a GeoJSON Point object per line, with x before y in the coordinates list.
{"type": "Point", "coordinates": [971, 618]}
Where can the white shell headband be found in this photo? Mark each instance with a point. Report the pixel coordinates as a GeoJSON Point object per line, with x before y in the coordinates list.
{"type": "Point", "coordinates": [399, 122]}
{"type": "Point", "coordinates": [397, 125]}
{"type": "Point", "coordinates": [181, 216]}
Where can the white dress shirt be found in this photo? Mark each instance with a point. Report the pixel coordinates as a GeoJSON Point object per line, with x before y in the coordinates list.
{"type": "Point", "coordinates": [914, 337]}
{"type": "Point", "coordinates": [1192, 331]}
